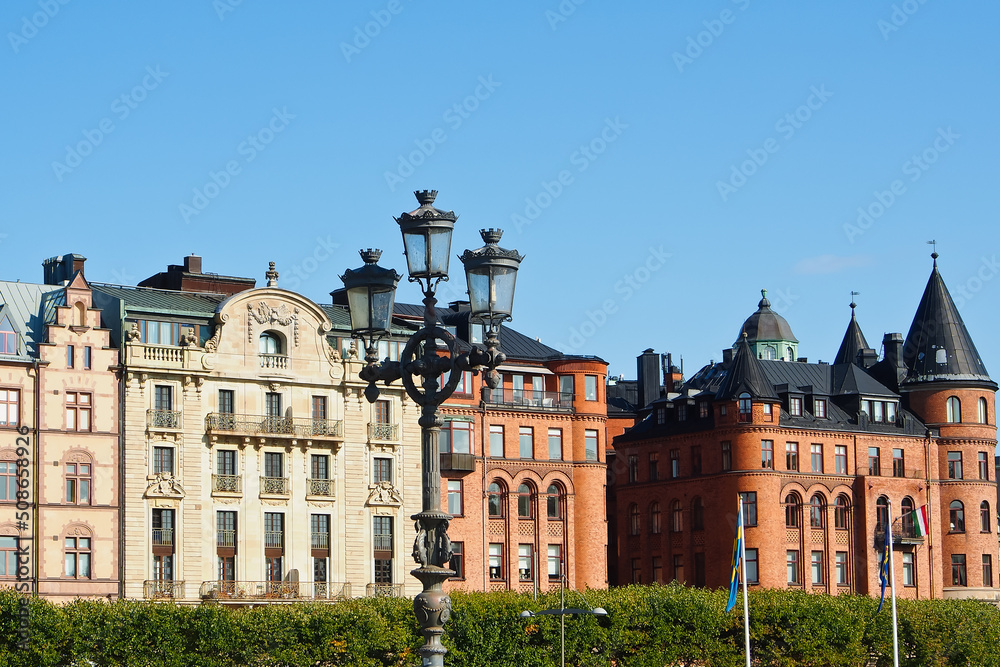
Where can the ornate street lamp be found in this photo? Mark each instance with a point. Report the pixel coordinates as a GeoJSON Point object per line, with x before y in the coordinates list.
{"type": "Point", "coordinates": [491, 271]}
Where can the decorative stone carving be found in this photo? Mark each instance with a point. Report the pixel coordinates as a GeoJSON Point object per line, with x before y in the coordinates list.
{"type": "Point", "coordinates": [266, 314]}
{"type": "Point", "coordinates": [271, 275]}
{"type": "Point", "coordinates": [384, 493]}
{"type": "Point", "coordinates": [432, 544]}
{"type": "Point", "coordinates": [188, 339]}
{"type": "Point", "coordinates": [133, 334]}
{"type": "Point", "coordinates": [163, 484]}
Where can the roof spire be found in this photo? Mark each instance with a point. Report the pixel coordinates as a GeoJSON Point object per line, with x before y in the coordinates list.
{"type": "Point", "coordinates": [854, 340]}
{"type": "Point", "coordinates": [745, 375]}
{"type": "Point", "coordinates": [934, 255]}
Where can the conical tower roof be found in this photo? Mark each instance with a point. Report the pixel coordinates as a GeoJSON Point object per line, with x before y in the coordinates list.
{"type": "Point", "coordinates": [745, 375]}
{"type": "Point", "coordinates": [938, 347]}
{"type": "Point", "coordinates": [854, 341]}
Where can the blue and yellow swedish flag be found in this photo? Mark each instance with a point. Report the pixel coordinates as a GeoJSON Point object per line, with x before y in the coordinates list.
{"type": "Point", "coordinates": [734, 577]}
{"type": "Point", "coordinates": [883, 565]}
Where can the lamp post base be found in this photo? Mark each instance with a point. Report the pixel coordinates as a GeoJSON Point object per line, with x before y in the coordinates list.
{"type": "Point", "coordinates": [432, 608]}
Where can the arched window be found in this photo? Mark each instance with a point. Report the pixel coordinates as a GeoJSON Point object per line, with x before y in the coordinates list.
{"type": "Point", "coordinates": [906, 516]}
{"type": "Point", "coordinates": [789, 354]}
{"type": "Point", "coordinates": [770, 352]}
{"type": "Point", "coordinates": [984, 517]}
{"type": "Point", "coordinates": [881, 513]}
{"type": "Point", "coordinates": [654, 518]}
{"type": "Point", "coordinates": [554, 502]}
{"type": "Point", "coordinates": [270, 343]}
{"type": "Point", "coordinates": [956, 516]}
{"type": "Point", "coordinates": [676, 516]}
{"type": "Point", "coordinates": [840, 511]}
{"type": "Point", "coordinates": [746, 407]}
{"type": "Point", "coordinates": [8, 338]}
{"type": "Point", "coordinates": [633, 519]}
{"type": "Point", "coordinates": [79, 314]}
{"type": "Point", "coordinates": [954, 410]}
{"type": "Point", "coordinates": [793, 510]}
{"type": "Point", "coordinates": [494, 494]}
{"type": "Point", "coordinates": [524, 503]}
{"type": "Point", "coordinates": [697, 514]}
{"type": "Point", "coordinates": [983, 412]}
{"type": "Point", "coordinates": [817, 507]}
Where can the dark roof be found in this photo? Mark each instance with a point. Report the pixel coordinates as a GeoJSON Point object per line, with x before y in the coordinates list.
{"type": "Point", "coordinates": [745, 375]}
{"type": "Point", "coordinates": [167, 302]}
{"type": "Point", "coordinates": [938, 346]}
{"type": "Point", "coordinates": [765, 324]}
{"type": "Point", "coordinates": [623, 396]}
{"type": "Point", "coordinates": [29, 307]}
{"type": "Point", "coordinates": [854, 341]}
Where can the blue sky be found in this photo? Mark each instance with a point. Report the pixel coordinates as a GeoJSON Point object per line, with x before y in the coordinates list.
{"type": "Point", "coordinates": [657, 163]}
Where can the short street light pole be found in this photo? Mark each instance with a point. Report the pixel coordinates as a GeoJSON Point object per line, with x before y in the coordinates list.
{"type": "Point", "coordinates": [491, 272]}
{"type": "Point", "coordinates": [561, 612]}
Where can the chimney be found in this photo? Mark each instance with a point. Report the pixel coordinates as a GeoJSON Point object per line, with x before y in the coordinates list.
{"type": "Point", "coordinates": [648, 367]}
{"type": "Point", "coordinates": [192, 263]}
{"type": "Point", "coordinates": [727, 355]}
{"type": "Point", "coordinates": [892, 344]}
{"type": "Point", "coordinates": [867, 357]}
{"type": "Point", "coordinates": [60, 270]}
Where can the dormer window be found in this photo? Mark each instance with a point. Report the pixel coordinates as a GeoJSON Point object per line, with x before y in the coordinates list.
{"type": "Point", "coordinates": [769, 352]}
{"type": "Point", "coordinates": [819, 408]}
{"type": "Point", "coordinates": [682, 412]}
{"type": "Point", "coordinates": [795, 406]}
{"type": "Point", "coordinates": [767, 412]}
{"type": "Point", "coordinates": [789, 354]}
{"type": "Point", "coordinates": [8, 338]}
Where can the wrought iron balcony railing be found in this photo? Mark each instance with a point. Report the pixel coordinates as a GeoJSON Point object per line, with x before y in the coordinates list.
{"type": "Point", "coordinates": [383, 431]}
{"type": "Point", "coordinates": [384, 590]}
{"type": "Point", "coordinates": [298, 427]}
{"type": "Point", "coordinates": [155, 589]}
{"type": "Point", "coordinates": [382, 542]}
{"type": "Point", "coordinates": [529, 398]}
{"type": "Point", "coordinates": [320, 487]}
{"type": "Point", "coordinates": [274, 539]}
{"type": "Point", "coordinates": [163, 537]}
{"type": "Point", "coordinates": [250, 591]}
{"type": "Point", "coordinates": [227, 483]}
{"type": "Point", "coordinates": [274, 485]}
{"type": "Point", "coordinates": [320, 540]}
{"type": "Point", "coordinates": [163, 418]}
{"type": "Point", "coordinates": [226, 537]}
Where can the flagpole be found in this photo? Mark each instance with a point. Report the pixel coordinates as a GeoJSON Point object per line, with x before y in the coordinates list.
{"type": "Point", "coordinates": [743, 575]}
{"type": "Point", "coordinates": [892, 587]}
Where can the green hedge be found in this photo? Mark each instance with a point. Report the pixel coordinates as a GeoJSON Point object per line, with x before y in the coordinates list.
{"type": "Point", "coordinates": [647, 626]}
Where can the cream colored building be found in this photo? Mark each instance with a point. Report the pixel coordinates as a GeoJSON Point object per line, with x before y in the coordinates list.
{"type": "Point", "coordinates": [254, 468]}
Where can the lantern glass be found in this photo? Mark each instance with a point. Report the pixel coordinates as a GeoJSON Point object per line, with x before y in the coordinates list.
{"type": "Point", "coordinates": [427, 251]}
{"type": "Point", "coordinates": [357, 302]}
{"type": "Point", "coordinates": [491, 291]}
{"type": "Point", "coordinates": [381, 308]}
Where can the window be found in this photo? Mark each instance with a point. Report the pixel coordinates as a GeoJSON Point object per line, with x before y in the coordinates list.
{"type": "Point", "coordinates": [984, 466]}
{"type": "Point", "coordinates": [793, 510]}
{"type": "Point", "coordinates": [958, 570]}
{"type": "Point", "coordinates": [319, 466]}
{"type": "Point", "coordinates": [590, 387]}
{"type": "Point", "coordinates": [654, 518]}
{"type": "Point", "coordinates": [840, 459]}
{"type": "Point", "coordinates": [749, 499]}
{"type": "Point", "coordinates": [816, 457]}
{"type": "Point", "coordinates": [225, 522]}
{"type": "Point", "coordinates": [8, 338]}
{"type": "Point", "coordinates": [78, 483]}
{"type": "Point", "coordinates": [678, 568]}
{"type": "Point", "coordinates": [318, 409]}
{"type": "Point", "coordinates": [676, 516]}
{"type": "Point", "coordinates": [770, 352]}
{"type": "Point", "coordinates": [661, 416]}
{"type": "Point", "coordinates": [494, 500]}
{"type": "Point", "coordinates": [457, 562]}
{"type": "Point", "coordinates": [954, 465]}
{"type": "Point", "coordinates": [524, 504]}
{"type": "Point", "coordinates": [768, 412]}
{"type": "Point", "coordinates": [695, 460]}
{"type": "Point", "coordinates": [77, 551]}
{"type": "Point", "coordinates": [874, 462]}
{"type": "Point", "coordinates": [909, 569]}
{"type": "Point", "coordinates": [816, 562]}
{"type": "Point", "coordinates": [746, 408]}
{"type": "Point", "coordinates": [590, 444]}
{"type": "Point", "coordinates": [381, 413]}
{"type": "Point", "coordinates": [881, 513]}
{"type": "Point", "coordinates": [163, 397]}
{"type": "Point", "coordinates": [794, 406]}
{"type": "Point", "coordinates": [697, 514]}
{"type": "Point", "coordinates": [381, 470]}
{"type": "Point", "coordinates": [983, 416]}
{"type": "Point", "coordinates": [819, 408]}
{"type": "Point", "coordinates": [163, 460]}
{"type": "Point", "coordinates": [879, 411]}
{"type": "Point", "coordinates": [956, 516]}
{"type": "Point", "coordinates": [657, 569]}
{"type": "Point", "coordinates": [566, 389]}
{"type": "Point", "coordinates": [455, 437]}
{"type": "Point", "coordinates": [555, 561]}
{"type": "Point", "coordinates": [682, 412]}
{"type": "Point", "coordinates": [633, 519]}
{"type": "Point", "coordinates": [524, 562]}
{"type": "Point", "coordinates": [274, 530]}
{"type": "Point", "coordinates": [767, 454]}
{"type": "Point", "coordinates": [636, 571]}
{"type": "Point", "coordinates": [526, 441]}
{"type": "Point", "coordinates": [70, 356]}
{"type": "Point", "coordinates": [727, 455]}
{"type": "Point", "coordinates": [78, 408]}
{"type": "Point", "coordinates": [954, 411]}
{"type": "Point", "coordinates": [8, 556]}
{"type": "Point", "coordinates": [840, 511]}
{"type": "Point", "coordinates": [817, 508]}
{"type": "Point", "coordinates": [675, 463]}
{"type": "Point", "coordinates": [496, 441]}
{"type": "Point", "coordinates": [898, 463]}
{"type": "Point", "coordinates": [8, 480]}
{"type": "Point", "coordinates": [226, 401]}
{"type": "Point", "coordinates": [272, 404]}
{"type": "Point", "coordinates": [792, 455]}
{"type": "Point", "coordinates": [273, 464]}
{"type": "Point", "coordinates": [751, 564]}
{"type": "Point", "coordinates": [87, 354]}
{"type": "Point", "coordinates": [792, 566]}
{"type": "Point", "coordinates": [633, 468]}
{"type": "Point", "coordinates": [226, 462]}
{"type": "Point", "coordinates": [555, 444]}
{"type": "Point", "coordinates": [703, 410]}
{"type": "Point", "coordinates": [906, 516]}
{"type": "Point", "coordinates": [455, 497]}
{"type": "Point", "coordinates": [496, 561]}
{"type": "Point", "coordinates": [987, 571]}
{"type": "Point", "coordinates": [840, 562]}
{"type": "Point", "coordinates": [270, 343]}
{"type": "Point", "coordinates": [554, 502]}
{"type": "Point", "coordinates": [163, 567]}
{"type": "Point", "coordinates": [9, 412]}
{"type": "Point", "coordinates": [654, 466]}
{"type": "Point", "coordinates": [984, 517]}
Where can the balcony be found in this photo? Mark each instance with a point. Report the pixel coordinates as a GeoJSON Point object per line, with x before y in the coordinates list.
{"type": "Point", "coordinates": [139, 355]}
{"type": "Point", "coordinates": [320, 487]}
{"type": "Point", "coordinates": [275, 486]}
{"type": "Point", "coordinates": [458, 462]}
{"type": "Point", "coordinates": [167, 419]}
{"type": "Point", "coordinates": [156, 589]}
{"type": "Point", "coordinates": [384, 590]}
{"type": "Point", "coordinates": [274, 539]}
{"type": "Point", "coordinates": [226, 538]}
{"type": "Point", "coordinates": [163, 537]}
{"type": "Point", "coordinates": [276, 591]}
{"type": "Point", "coordinates": [290, 427]}
{"type": "Point", "coordinates": [274, 362]}
{"type": "Point", "coordinates": [380, 431]}
{"type": "Point", "coordinates": [320, 540]}
{"type": "Point", "coordinates": [227, 484]}
{"type": "Point", "coordinates": [382, 542]}
{"type": "Point", "coordinates": [905, 534]}
{"type": "Point", "coordinates": [529, 399]}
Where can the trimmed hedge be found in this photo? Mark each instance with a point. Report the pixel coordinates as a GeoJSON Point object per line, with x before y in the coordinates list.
{"type": "Point", "coordinates": [647, 626]}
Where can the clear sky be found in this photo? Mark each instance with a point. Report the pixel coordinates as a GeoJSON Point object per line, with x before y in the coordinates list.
{"type": "Point", "coordinates": [658, 163]}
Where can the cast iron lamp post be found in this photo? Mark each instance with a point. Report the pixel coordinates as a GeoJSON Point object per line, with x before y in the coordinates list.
{"type": "Point", "coordinates": [561, 612]}
{"type": "Point", "coordinates": [491, 272]}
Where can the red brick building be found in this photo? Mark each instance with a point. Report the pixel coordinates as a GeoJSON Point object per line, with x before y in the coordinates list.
{"type": "Point", "coordinates": [818, 452]}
